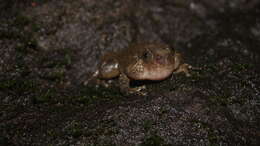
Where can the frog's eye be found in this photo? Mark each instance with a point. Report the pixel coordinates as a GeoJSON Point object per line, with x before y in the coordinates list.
{"type": "Point", "coordinates": [146, 55]}
{"type": "Point", "coordinates": [168, 48]}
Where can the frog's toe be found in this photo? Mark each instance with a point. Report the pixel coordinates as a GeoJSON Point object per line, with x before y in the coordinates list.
{"type": "Point", "coordinates": [136, 90]}
{"type": "Point", "coordinates": [142, 93]}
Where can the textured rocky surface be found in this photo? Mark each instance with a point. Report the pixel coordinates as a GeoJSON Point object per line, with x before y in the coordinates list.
{"type": "Point", "coordinates": [49, 48]}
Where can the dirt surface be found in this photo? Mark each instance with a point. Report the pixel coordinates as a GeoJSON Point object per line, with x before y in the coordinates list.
{"type": "Point", "coordinates": [49, 48]}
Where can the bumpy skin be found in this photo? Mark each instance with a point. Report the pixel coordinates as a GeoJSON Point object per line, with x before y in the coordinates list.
{"type": "Point", "coordinates": [141, 62]}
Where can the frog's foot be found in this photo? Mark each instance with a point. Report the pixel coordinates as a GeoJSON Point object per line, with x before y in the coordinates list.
{"type": "Point", "coordinates": [139, 90]}
{"type": "Point", "coordinates": [185, 69]}
{"type": "Point", "coordinates": [136, 90]}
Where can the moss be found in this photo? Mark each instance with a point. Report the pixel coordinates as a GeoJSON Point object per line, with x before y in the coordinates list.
{"type": "Point", "coordinates": [9, 35]}
{"type": "Point", "coordinates": [15, 28]}
{"type": "Point", "coordinates": [221, 99]}
{"type": "Point", "coordinates": [35, 27]}
{"type": "Point", "coordinates": [212, 136]}
{"type": "Point", "coordinates": [56, 75]}
{"type": "Point", "coordinates": [16, 31]}
{"type": "Point", "coordinates": [76, 132]}
{"type": "Point", "coordinates": [153, 140]}
{"type": "Point", "coordinates": [52, 133]}
{"type": "Point", "coordinates": [45, 96]}
{"type": "Point", "coordinates": [67, 60]}
{"type": "Point", "coordinates": [74, 129]}
{"type": "Point", "coordinates": [7, 84]}
{"type": "Point", "coordinates": [89, 95]}
{"type": "Point", "coordinates": [26, 45]}
{"type": "Point", "coordinates": [4, 141]}
{"type": "Point", "coordinates": [61, 58]}
{"type": "Point", "coordinates": [21, 21]}
{"type": "Point", "coordinates": [239, 67]}
{"type": "Point", "coordinates": [18, 86]}
{"type": "Point", "coordinates": [147, 125]}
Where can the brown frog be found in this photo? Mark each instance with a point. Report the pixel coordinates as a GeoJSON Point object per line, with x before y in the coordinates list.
{"type": "Point", "coordinates": [141, 62]}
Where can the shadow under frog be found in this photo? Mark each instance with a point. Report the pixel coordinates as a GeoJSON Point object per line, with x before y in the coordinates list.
{"type": "Point", "coordinates": [143, 62]}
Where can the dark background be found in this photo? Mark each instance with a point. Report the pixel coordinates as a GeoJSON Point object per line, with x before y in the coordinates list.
{"type": "Point", "coordinates": [48, 48]}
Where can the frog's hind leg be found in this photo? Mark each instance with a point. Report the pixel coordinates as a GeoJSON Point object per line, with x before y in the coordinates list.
{"type": "Point", "coordinates": [98, 82]}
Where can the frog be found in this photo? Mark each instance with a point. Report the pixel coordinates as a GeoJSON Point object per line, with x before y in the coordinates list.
{"type": "Point", "coordinates": [139, 62]}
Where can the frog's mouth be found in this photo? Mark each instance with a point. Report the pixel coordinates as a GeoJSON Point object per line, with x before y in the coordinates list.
{"type": "Point", "coordinates": [158, 69]}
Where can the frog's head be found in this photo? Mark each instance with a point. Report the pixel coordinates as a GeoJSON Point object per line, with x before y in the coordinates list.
{"type": "Point", "coordinates": [153, 62]}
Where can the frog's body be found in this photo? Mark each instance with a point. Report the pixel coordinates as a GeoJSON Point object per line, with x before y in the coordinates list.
{"type": "Point", "coordinates": [141, 62]}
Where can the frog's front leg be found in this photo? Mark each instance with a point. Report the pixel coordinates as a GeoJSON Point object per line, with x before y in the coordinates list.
{"type": "Point", "coordinates": [184, 68]}
{"type": "Point", "coordinates": [92, 77]}
{"type": "Point", "coordinates": [124, 83]}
